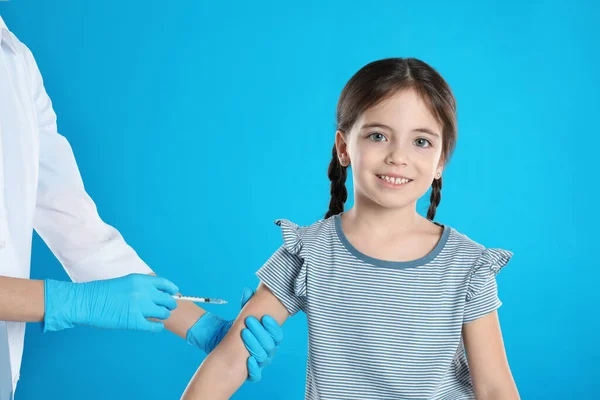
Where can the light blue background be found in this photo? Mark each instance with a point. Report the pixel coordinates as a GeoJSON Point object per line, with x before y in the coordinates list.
{"type": "Point", "coordinates": [196, 124]}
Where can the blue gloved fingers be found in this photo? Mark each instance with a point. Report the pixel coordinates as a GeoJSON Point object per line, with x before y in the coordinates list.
{"type": "Point", "coordinates": [150, 326]}
{"type": "Point", "coordinates": [247, 293]}
{"type": "Point", "coordinates": [154, 311]}
{"type": "Point", "coordinates": [119, 303]}
{"type": "Point", "coordinates": [262, 336]}
{"type": "Point", "coordinates": [253, 346]}
{"type": "Point", "coordinates": [208, 331]}
{"type": "Point", "coordinates": [273, 328]}
{"type": "Point", "coordinates": [254, 371]}
{"type": "Point", "coordinates": [163, 299]}
{"type": "Point", "coordinates": [164, 284]}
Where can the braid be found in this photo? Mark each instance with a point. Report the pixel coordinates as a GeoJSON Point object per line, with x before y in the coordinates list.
{"type": "Point", "coordinates": [436, 197]}
{"type": "Point", "coordinates": [337, 175]}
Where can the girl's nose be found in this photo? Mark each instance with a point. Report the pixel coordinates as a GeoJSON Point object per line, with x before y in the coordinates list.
{"type": "Point", "coordinates": [397, 156]}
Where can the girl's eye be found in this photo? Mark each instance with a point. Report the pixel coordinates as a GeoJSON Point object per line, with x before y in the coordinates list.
{"type": "Point", "coordinates": [377, 137]}
{"type": "Point", "coordinates": [422, 142]}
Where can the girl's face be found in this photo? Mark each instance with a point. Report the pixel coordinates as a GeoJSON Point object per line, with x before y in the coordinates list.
{"type": "Point", "coordinates": [394, 149]}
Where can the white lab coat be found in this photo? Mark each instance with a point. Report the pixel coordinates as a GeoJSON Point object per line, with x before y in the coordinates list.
{"type": "Point", "coordinates": [41, 189]}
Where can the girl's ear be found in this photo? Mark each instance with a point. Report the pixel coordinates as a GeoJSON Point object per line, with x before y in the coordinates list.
{"type": "Point", "coordinates": [440, 168]}
{"type": "Point", "coordinates": [342, 148]}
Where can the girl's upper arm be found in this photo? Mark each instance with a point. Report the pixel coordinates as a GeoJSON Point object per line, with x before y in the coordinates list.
{"type": "Point", "coordinates": [224, 370]}
{"type": "Point", "coordinates": [263, 303]}
{"type": "Point", "coordinates": [487, 360]}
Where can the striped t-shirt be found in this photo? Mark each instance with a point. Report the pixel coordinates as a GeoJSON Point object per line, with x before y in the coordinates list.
{"type": "Point", "coordinates": [381, 329]}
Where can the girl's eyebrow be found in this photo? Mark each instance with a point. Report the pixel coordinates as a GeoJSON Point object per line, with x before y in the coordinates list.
{"type": "Point", "coordinates": [427, 131]}
{"type": "Point", "coordinates": [378, 125]}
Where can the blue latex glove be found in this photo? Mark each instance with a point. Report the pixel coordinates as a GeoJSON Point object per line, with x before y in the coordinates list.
{"type": "Point", "coordinates": [120, 303]}
{"type": "Point", "coordinates": [261, 339]}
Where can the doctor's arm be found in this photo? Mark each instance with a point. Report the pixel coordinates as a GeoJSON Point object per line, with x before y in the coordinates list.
{"type": "Point", "coordinates": [66, 218]}
{"type": "Point", "coordinates": [21, 299]}
{"type": "Point", "coordinates": [94, 252]}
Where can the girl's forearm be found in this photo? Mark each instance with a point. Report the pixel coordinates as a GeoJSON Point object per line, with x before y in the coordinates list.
{"type": "Point", "coordinates": [225, 369]}
{"type": "Point", "coordinates": [507, 392]}
{"type": "Point", "coordinates": [219, 376]}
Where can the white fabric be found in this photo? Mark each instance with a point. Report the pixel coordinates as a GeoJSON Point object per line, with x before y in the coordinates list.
{"type": "Point", "coordinates": [41, 189]}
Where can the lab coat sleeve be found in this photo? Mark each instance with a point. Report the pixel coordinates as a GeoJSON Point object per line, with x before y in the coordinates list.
{"type": "Point", "coordinates": [66, 217]}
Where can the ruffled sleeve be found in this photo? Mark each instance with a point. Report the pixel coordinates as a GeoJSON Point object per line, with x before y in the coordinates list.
{"type": "Point", "coordinates": [482, 291]}
{"type": "Point", "coordinates": [292, 241]}
{"type": "Point", "coordinates": [285, 271]}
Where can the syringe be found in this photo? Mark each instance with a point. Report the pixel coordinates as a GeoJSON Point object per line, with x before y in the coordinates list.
{"type": "Point", "coordinates": [199, 299]}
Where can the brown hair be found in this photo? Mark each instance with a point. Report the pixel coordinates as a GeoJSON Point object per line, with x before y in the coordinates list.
{"type": "Point", "coordinates": [378, 81]}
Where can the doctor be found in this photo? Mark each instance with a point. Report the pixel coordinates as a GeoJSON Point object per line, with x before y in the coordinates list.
{"type": "Point", "coordinates": [41, 189]}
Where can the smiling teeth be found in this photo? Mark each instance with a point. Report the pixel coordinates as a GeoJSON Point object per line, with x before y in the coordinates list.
{"type": "Point", "coordinates": [396, 181]}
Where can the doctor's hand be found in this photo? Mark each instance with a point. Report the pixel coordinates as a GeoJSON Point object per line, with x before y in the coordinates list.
{"type": "Point", "coordinates": [261, 339]}
{"type": "Point", "coordinates": [120, 303]}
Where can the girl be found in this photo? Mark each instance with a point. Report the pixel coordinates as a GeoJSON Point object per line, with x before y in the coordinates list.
{"type": "Point", "coordinates": [393, 300]}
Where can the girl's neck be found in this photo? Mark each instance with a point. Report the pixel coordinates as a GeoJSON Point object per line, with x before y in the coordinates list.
{"type": "Point", "coordinates": [383, 222]}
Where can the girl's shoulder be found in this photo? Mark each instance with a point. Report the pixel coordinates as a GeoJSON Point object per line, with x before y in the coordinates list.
{"type": "Point", "coordinates": [468, 251]}
{"type": "Point", "coordinates": [296, 237]}
{"type": "Point", "coordinates": [460, 240]}
{"type": "Point", "coordinates": [306, 230]}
